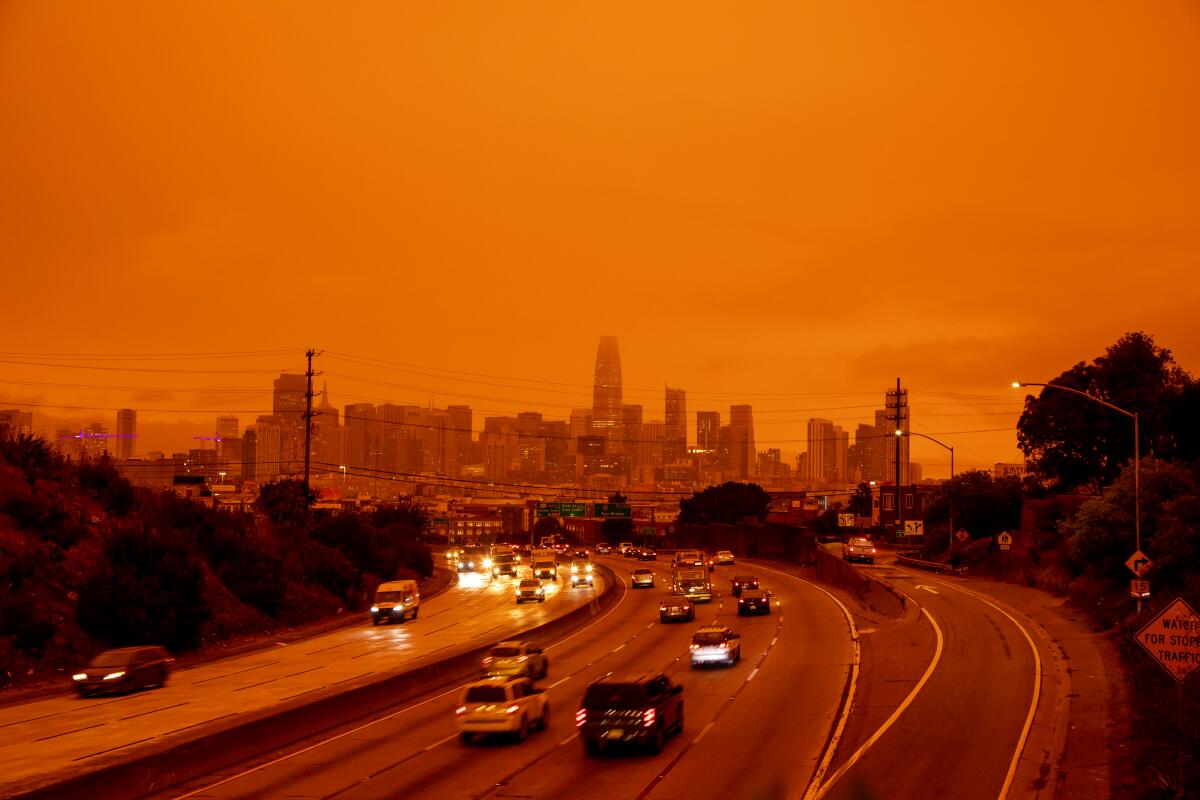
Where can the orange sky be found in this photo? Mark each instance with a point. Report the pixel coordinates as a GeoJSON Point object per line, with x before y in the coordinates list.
{"type": "Point", "coordinates": [805, 199]}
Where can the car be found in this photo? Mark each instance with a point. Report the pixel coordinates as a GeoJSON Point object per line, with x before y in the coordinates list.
{"type": "Point", "coordinates": [582, 552]}
{"type": "Point", "coordinates": [647, 554]}
{"type": "Point", "coordinates": [741, 582]}
{"type": "Point", "coordinates": [715, 644]}
{"type": "Point", "coordinates": [581, 573]}
{"type": "Point", "coordinates": [643, 578]}
{"type": "Point", "coordinates": [676, 606]}
{"type": "Point", "coordinates": [629, 709]}
{"type": "Point", "coordinates": [501, 705]}
{"type": "Point", "coordinates": [859, 548]}
{"type": "Point", "coordinates": [723, 558]}
{"type": "Point", "coordinates": [124, 670]}
{"type": "Point", "coordinates": [754, 601]}
{"type": "Point", "coordinates": [515, 659]}
{"type": "Point", "coordinates": [603, 549]}
{"type": "Point", "coordinates": [530, 589]}
{"type": "Point", "coordinates": [453, 555]}
{"type": "Point", "coordinates": [396, 600]}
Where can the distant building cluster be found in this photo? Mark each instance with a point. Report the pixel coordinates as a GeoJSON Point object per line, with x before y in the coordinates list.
{"type": "Point", "coordinates": [612, 445]}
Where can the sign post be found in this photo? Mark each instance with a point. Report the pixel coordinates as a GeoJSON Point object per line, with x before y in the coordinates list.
{"type": "Point", "coordinates": [1139, 564]}
{"type": "Point", "coordinates": [1173, 640]}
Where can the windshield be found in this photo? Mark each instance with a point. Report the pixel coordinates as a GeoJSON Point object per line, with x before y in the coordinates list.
{"type": "Point", "coordinates": [486, 694]}
{"type": "Point", "coordinates": [112, 659]}
{"type": "Point", "coordinates": [708, 639]}
{"type": "Point", "coordinates": [530, 583]}
{"type": "Point", "coordinates": [391, 597]}
{"type": "Point", "coordinates": [506, 652]}
{"type": "Point", "coordinates": [614, 695]}
{"type": "Point", "coordinates": [861, 542]}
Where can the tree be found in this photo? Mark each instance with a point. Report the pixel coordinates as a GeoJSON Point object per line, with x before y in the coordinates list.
{"type": "Point", "coordinates": [146, 589]}
{"type": "Point", "coordinates": [1100, 537]}
{"type": "Point", "coordinates": [730, 503]}
{"type": "Point", "coordinates": [861, 502]}
{"type": "Point", "coordinates": [285, 501]}
{"type": "Point", "coordinates": [1070, 441]}
{"type": "Point", "coordinates": [983, 506]}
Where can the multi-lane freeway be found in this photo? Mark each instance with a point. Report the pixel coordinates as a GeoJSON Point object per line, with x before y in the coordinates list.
{"type": "Point", "coordinates": [829, 700]}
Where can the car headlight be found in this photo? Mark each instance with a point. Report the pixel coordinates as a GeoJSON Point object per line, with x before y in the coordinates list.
{"type": "Point", "coordinates": [112, 676]}
{"type": "Point", "coordinates": [80, 676]}
{"type": "Point", "coordinates": [487, 562]}
{"type": "Point", "coordinates": [374, 609]}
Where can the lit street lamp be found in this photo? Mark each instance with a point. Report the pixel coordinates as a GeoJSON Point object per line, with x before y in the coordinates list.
{"type": "Point", "coordinates": [950, 495]}
{"type": "Point", "coordinates": [1137, 500]}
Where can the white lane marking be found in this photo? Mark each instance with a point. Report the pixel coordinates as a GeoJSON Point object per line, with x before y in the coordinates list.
{"type": "Point", "coordinates": [850, 762]}
{"type": "Point", "coordinates": [753, 672]}
{"type": "Point", "coordinates": [773, 641]}
{"type": "Point", "coordinates": [611, 609]}
{"type": "Point", "coordinates": [440, 742]}
{"type": "Point", "coordinates": [622, 647]}
{"type": "Point", "coordinates": [855, 663]}
{"type": "Point", "coordinates": [1037, 686]}
{"type": "Point", "coordinates": [569, 739]}
{"type": "Point", "coordinates": [366, 725]}
{"type": "Point", "coordinates": [706, 729]}
{"type": "Point", "coordinates": [932, 589]}
{"type": "Point", "coordinates": [558, 683]}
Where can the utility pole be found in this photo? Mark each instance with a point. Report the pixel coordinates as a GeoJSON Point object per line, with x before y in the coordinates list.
{"type": "Point", "coordinates": [897, 414]}
{"type": "Point", "coordinates": [308, 415]}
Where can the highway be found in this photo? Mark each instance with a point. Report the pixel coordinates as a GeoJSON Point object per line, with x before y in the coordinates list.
{"type": "Point", "coordinates": [941, 706]}
{"type": "Point", "coordinates": [60, 736]}
{"type": "Point", "coordinates": [758, 729]}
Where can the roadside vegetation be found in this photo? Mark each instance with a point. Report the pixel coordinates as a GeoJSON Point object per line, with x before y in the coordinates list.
{"type": "Point", "coordinates": [89, 562]}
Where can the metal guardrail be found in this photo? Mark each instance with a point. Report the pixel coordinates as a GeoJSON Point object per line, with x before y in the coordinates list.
{"type": "Point", "coordinates": [932, 566]}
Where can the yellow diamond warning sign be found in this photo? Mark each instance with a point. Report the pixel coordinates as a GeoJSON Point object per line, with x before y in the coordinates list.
{"type": "Point", "coordinates": [1173, 639]}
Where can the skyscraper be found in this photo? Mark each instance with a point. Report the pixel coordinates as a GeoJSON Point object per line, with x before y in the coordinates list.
{"type": "Point", "coordinates": [743, 454]}
{"type": "Point", "coordinates": [288, 403]}
{"type": "Point", "coordinates": [675, 426]}
{"type": "Point", "coordinates": [126, 431]}
{"type": "Point", "coordinates": [606, 390]}
{"type": "Point", "coordinates": [708, 425]}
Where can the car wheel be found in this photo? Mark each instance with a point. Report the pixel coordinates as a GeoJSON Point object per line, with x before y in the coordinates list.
{"type": "Point", "coordinates": [465, 737]}
{"type": "Point", "coordinates": [679, 720]}
{"type": "Point", "coordinates": [545, 668]}
{"type": "Point", "coordinates": [523, 730]}
{"type": "Point", "coordinates": [162, 678]}
{"type": "Point", "coordinates": [592, 747]}
{"type": "Point", "coordinates": [660, 740]}
{"type": "Point", "coordinates": [662, 619]}
{"type": "Point", "coordinates": [544, 723]}
{"type": "Point", "coordinates": [541, 599]}
{"type": "Point", "coordinates": [414, 614]}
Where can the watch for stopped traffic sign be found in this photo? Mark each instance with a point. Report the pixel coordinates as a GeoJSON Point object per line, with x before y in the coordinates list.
{"type": "Point", "coordinates": [1172, 639]}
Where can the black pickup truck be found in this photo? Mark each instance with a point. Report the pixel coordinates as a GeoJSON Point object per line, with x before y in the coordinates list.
{"type": "Point", "coordinates": [635, 709]}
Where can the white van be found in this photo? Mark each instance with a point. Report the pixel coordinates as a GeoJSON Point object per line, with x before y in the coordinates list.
{"type": "Point", "coordinates": [395, 600]}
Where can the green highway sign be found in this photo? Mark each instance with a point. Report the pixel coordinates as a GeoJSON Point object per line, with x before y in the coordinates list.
{"type": "Point", "coordinates": [614, 510]}
{"type": "Point", "coordinates": [563, 510]}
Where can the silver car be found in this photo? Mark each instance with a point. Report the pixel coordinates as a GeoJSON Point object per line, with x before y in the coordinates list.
{"type": "Point", "coordinates": [716, 644]}
{"type": "Point", "coordinates": [516, 658]}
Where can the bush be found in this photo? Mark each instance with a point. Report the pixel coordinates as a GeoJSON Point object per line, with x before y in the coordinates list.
{"type": "Point", "coordinates": [22, 619]}
{"type": "Point", "coordinates": [255, 576]}
{"type": "Point", "coordinates": [146, 589]}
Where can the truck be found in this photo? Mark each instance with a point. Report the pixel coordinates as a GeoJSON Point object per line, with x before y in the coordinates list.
{"type": "Point", "coordinates": [692, 581]}
{"type": "Point", "coordinates": [505, 564]}
{"type": "Point", "coordinates": [395, 600]}
{"type": "Point", "coordinates": [545, 569]}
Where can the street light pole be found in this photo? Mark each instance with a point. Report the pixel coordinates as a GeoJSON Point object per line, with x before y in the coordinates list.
{"type": "Point", "coordinates": [950, 494]}
{"type": "Point", "coordinates": [1137, 452]}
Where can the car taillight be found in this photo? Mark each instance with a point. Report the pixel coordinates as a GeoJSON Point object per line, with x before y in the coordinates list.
{"type": "Point", "coordinates": [512, 709]}
{"type": "Point", "coordinates": [460, 710]}
{"type": "Point", "coordinates": [580, 717]}
{"type": "Point", "coordinates": [648, 718]}
{"type": "Point", "coordinates": [695, 646]}
{"type": "Point", "coordinates": [723, 644]}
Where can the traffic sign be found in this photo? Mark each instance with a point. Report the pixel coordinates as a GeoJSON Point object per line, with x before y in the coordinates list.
{"type": "Point", "coordinates": [845, 520]}
{"type": "Point", "coordinates": [1005, 540]}
{"type": "Point", "coordinates": [1139, 589]}
{"type": "Point", "coordinates": [614, 510]}
{"type": "Point", "coordinates": [563, 510]}
{"type": "Point", "coordinates": [1139, 563]}
{"type": "Point", "coordinates": [962, 535]}
{"type": "Point", "coordinates": [914, 527]}
{"type": "Point", "coordinates": [1173, 639]}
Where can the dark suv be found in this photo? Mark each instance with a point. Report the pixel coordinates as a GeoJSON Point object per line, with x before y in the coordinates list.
{"type": "Point", "coordinates": [742, 582]}
{"type": "Point", "coordinates": [124, 670]}
{"type": "Point", "coordinates": [639, 709]}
